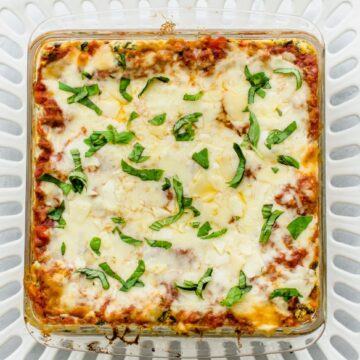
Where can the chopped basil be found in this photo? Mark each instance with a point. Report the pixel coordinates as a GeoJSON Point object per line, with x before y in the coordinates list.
{"type": "Point", "coordinates": [258, 81]}
{"type": "Point", "coordinates": [98, 139]}
{"type": "Point", "coordinates": [183, 128]}
{"type": "Point", "coordinates": [158, 119]}
{"type": "Point", "coordinates": [254, 130]}
{"type": "Point", "coordinates": [204, 232]}
{"type": "Point", "coordinates": [95, 245]}
{"type": "Point", "coordinates": [297, 226]}
{"type": "Point", "coordinates": [66, 188]}
{"type": "Point", "coordinates": [56, 215]}
{"type": "Point", "coordinates": [195, 224]}
{"type": "Point", "coordinates": [280, 113]}
{"type": "Point", "coordinates": [110, 272]}
{"type": "Point", "coordinates": [86, 75]}
{"type": "Point", "coordinates": [133, 280]}
{"type": "Point", "coordinates": [270, 219]}
{"type": "Point", "coordinates": [136, 154]}
{"type": "Point", "coordinates": [151, 80]}
{"type": "Point", "coordinates": [198, 287]}
{"type": "Point", "coordinates": [275, 170]}
{"type": "Point", "coordinates": [246, 109]}
{"type": "Point", "coordinates": [121, 60]}
{"type": "Point", "coordinates": [84, 46]}
{"type": "Point", "coordinates": [202, 158]}
{"type": "Point", "coordinates": [124, 83]}
{"type": "Point", "coordinates": [81, 95]}
{"type": "Point", "coordinates": [236, 293]}
{"type": "Point", "coordinates": [133, 115]}
{"type": "Point", "coordinates": [286, 293]}
{"type": "Point", "coordinates": [143, 174]}
{"type": "Point", "coordinates": [278, 136]}
{"type": "Point", "coordinates": [288, 160]}
{"type": "Point", "coordinates": [129, 45]}
{"type": "Point", "coordinates": [291, 71]}
{"type": "Point", "coordinates": [239, 174]}
{"type": "Point", "coordinates": [158, 225]}
{"type": "Point", "coordinates": [166, 185]}
{"type": "Point", "coordinates": [159, 243]}
{"type": "Point", "coordinates": [63, 248]}
{"type": "Point", "coordinates": [95, 274]}
{"type": "Point", "coordinates": [195, 211]}
{"type": "Point", "coordinates": [127, 239]}
{"type": "Point", "coordinates": [77, 177]}
{"type": "Point", "coordinates": [193, 97]}
{"type": "Point", "coordinates": [118, 220]}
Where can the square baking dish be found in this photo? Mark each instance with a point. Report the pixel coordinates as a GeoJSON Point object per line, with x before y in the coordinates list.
{"type": "Point", "coordinates": [164, 24]}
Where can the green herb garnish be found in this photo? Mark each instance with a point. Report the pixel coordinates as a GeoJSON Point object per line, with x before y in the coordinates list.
{"type": "Point", "coordinates": [204, 232]}
{"type": "Point", "coordinates": [270, 219]}
{"type": "Point", "coordinates": [95, 245]}
{"type": "Point", "coordinates": [133, 115]}
{"type": "Point", "coordinates": [278, 136]}
{"type": "Point", "coordinates": [143, 174]}
{"type": "Point", "coordinates": [159, 243]}
{"type": "Point", "coordinates": [291, 71]}
{"type": "Point", "coordinates": [133, 280]}
{"type": "Point", "coordinates": [166, 185]}
{"type": "Point", "coordinates": [195, 224]}
{"type": "Point", "coordinates": [118, 220]}
{"type": "Point", "coordinates": [124, 83]}
{"type": "Point", "coordinates": [158, 119]}
{"type": "Point", "coordinates": [236, 293]}
{"type": "Point", "coordinates": [280, 113]}
{"type": "Point", "coordinates": [183, 128]}
{"type": "Point", "coordinates": [127, 239]}
{"type": "Point", "coordinates": [193, 97]}
{"type": "Point", "coordinates": [66, 188]}
{"type": "Point", "coordinates": [86, 75]}
{"type": "Point", "coordinates": [108, 271]}
{"type": "Point", "coordinates": [254, 130]}
{"type": "Point", "coordinates": [151, 80]}
{"type": "Point", "coordinates": [239, 174]}
{"type": "Point", "coordinates": [297, 226]}
{"type": "Point", "coordinates": [288, 160]}
{"type": "Point", "coordinates": [202, 158]}
{"type": "Point", "coordinates": [63, 248]}
{"type": "Point", "coordinates": [198, 287]}
{"type": "Point", "coordinates": [56, 215]}
{"type": "Point", "coordinates": [258, 81]}
{"type": "Point", "coordinates": [136, 154]}
{"type": "Point", "coordinates": [286, 293]}
{"type": "Point", "coordinates": [95, 274]}
{"type": "Point", "coordinates": [121, 60]}
{"type": "Point", "coordinates": [275, 170]}
{"type": "Point", "coordinates": [77, 177]}
{"type": "Point", "coordinates": [84, 46]}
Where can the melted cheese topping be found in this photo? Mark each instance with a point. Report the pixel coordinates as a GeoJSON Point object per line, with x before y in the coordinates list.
{"type": "Point", "coordinates": [112, 192]}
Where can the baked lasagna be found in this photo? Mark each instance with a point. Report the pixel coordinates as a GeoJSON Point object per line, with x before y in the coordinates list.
{"type": "Point", "coordinates": [175, 184]}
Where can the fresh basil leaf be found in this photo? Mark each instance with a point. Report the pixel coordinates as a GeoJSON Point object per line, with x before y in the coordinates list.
{"type": "Point", "coordinates": [84, 46]}
{"type": "Point", "coordinates": [267, 227]}
{"type": "Point", "coordinates": [195, 211]}
{"type": "Point", "coordinates": [108, 271]}
{"type": "Point", "coordinates": [278, 136]}
{"type": "Point", "coordinates": [275, 170]}
{"type": "Point", "coordinates": [240, 171]}
{"type": "Point", "coordinates": [143, 174]}
{"type": "Point", "coordinates": [133, 115]}
{"type": "Point", "coordinates": [258, 82]}
{"type": "Point", "coordinates": [202, 158]}
{"type": "Point", "coordinates": [254, 130]}
{"type": "Point", "coordinates": [166, 185]}
{"type": "Point", "coordinates": [158, 225]}
{"type": "Point", "coordinates": [121, 60]}
{"type": "Point", "coordinates": [56, 215]}
{"type": "Point", "coordinates": [127, 239]}
{"type": "Point", "coordinates": [179, 192]}
{"type": "Point", "coordinates": [236, 293]}
{"type": "Point", "coordinates": [88, 103]}
{"type": "Point", "coordinates": [159, 243]}
{"type": "Point", "coordinates": [95, 245]}
{"type": "Point", "coordinates": [124, 83]}
{"type": "Point", "coordinates": [77, 177]}
{"type": "Point", "coordinates": [187, 285]}
{"type": "Point", "coordinates": [195, 224]}
{"type": "Point", "coordinates": [193, 97]}
{"type": "Point", "coordinates": [280, 113]}
{"type": "Point", "coordinates": [286, 293]}
{"type": "Point", "coordinates": [66, 188]}
{"type": "Point", "coordinates": [246, 109]}
{"type": "Point", "coordinates": [291, 71]}
{"type": "Point", "coordinates": [136, 154]}
{"type": "Point", "coordinates": [183, 128]}
{"type": "Point", "coordinates": [297, 226]}
{"type": "Point", "coordinates": [288, 160]}
{"type": "Point", "coordinates": [158, 119]}
{"type": "Point", "coordinates": [129, 45]}
{"type": "Point", "coordinates": [204, 229]}
{"type": "Point", "coordinates": [63, 248]}
{"type": "Point", "coordinates": [151, 80]}
{"type": "Point", "coordinates": [266, 210]}
{"type": "Point", "coordinates": [214, 234]}
{"type": "Point", "coordinates": [203, 281]}
{"type": "Point", "coordinates": [133, 280]}
{"type": "Point", "coordinates": [86, 75]}
{"type": "Point", "coordinates": [83, 93]}
{"type": "Point", "coordinates": [118, 220]}
{"type": "Point", "coordinates": [95, 274]}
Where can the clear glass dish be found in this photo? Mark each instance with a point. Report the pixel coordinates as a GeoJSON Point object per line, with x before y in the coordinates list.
{"type": "Point", "coordinates": [165, 23]}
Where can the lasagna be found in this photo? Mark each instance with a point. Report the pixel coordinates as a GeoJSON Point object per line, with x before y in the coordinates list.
{"type": "Point", "coordinates": [175, 184]}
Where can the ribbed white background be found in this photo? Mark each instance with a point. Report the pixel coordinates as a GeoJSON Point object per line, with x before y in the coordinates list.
{"type": "Point", "coordinates": [339, 22]}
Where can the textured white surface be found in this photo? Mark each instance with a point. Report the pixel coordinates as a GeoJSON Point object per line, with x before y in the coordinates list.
{"type": "Point", "coordinates": [338, 21]}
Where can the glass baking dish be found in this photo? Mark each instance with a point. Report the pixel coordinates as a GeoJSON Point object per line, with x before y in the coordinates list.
{"type": "Point", "coordinates": [168, 23]}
